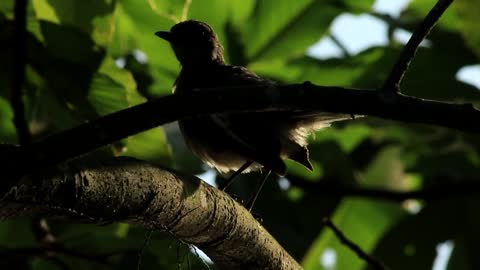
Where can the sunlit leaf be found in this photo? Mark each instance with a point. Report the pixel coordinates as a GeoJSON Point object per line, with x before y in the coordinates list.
{"type": "Point", "coordinates": [94, 17]}
{"type": "Point", "coordinates": [7, 129]}
{"type": "Point", "coordinates": [353, 71]}
{"type": "Point", "coordinates": [418, 9]}
{"type": "Point", "coordinates": [149, 145]}
{"type": "Point", "coordinates": [108, 90]}
{"type": "Point", "coordinates": [468, 11]}
{"type": "Point", "coordinates": [295, 26]}
{"type": "Point", "coordinates": [6, 8]}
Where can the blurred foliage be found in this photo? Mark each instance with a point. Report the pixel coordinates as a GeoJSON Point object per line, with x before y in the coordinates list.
{"type": "Point", "coordinates": [90, 58]}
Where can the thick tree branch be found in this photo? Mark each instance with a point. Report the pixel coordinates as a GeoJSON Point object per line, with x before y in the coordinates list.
{"type": "Point", "coordinates": [392, 84]}
{"type": "Point", "coordinates": [125, 189]}
{"type": "Point", "coordinates": [113, 127]}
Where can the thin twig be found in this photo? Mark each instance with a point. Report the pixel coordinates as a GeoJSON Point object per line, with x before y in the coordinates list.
{"type": "Point", "coordinates": [374, 262]}
{"type": "Point", "coordinates": [185, 9]}
{"type": "Point", "coordinates": [340, 45]}
{"type": "Point", "coordinates": [19, 64]}
{"type": "Point", "coordinates": [168, 16]}
{"type": "Point", "coordinates": [392, 84]}
{"type": "Point", "coordinates": [148, 237]}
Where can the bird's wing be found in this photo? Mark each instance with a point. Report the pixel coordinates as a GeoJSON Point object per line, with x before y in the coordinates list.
{"type": "Point", "coordinates": [250, 142]}
{"type": "Point", "coordinates": [226, 75]}
{"type": "Point", "coordinates": [274, 134]}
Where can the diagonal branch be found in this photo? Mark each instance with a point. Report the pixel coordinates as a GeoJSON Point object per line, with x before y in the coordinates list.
{"type": "Point", "coordinates": [392, 84]}
{"type": "Point", "coordinates": [89, 136]}
{"type": "Point", "coordinates": [374, 262]}
{"type": "Point", "coordinates": [129, 190]}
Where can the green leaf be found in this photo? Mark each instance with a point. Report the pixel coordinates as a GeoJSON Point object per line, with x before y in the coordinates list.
{"type": "Point", "coordinates": [136, 24]}
{"type": "Point", "coordinates": [284, 29]}
{"type": "Point", "coordinates": [94, 17]}
{"type": "Point", "coordinates": [106, 96]}
{"type": "Point", "coordinates": [6, 8]}
{"type": "Point", "coordinates": [468, 11]}
{"type": "Point", "coordinates": [8, 132]}
{"type": "Point", "coordinates": [150, 145]}
{"type": "Point", "coordinates": [418, 9]}
{"type": "Point", "coordinates": [353, 71]}
{"type": "Point", "coordinates": [348, 137]}
{"type": "Point", "coordinates": [386, 170]}
{"type": "Point", "coordinates": [66, 75]}
{"type": "Point", "coordinates": [109, 87]}
{"type": "Point", "coordinates": [113, 89]}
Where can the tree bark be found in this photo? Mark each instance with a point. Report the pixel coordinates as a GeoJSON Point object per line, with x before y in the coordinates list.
{"type": "Point", "coordinates": [133, 191]}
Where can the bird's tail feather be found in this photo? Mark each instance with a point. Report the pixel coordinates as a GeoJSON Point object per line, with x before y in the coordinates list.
{"type": "Point", "coordinates": [305, 123]}
{"type": "Point", "coordinates": [317, 120]}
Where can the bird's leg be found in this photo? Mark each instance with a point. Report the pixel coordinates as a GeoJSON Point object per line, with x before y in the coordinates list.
{"type": "Point", "coordinates": [258, 188]}
{"type": "Point", "coordinates": [235, 174]}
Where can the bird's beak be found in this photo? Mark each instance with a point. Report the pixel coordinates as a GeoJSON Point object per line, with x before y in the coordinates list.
{"type": "Point", "coordinates": [164, 35]}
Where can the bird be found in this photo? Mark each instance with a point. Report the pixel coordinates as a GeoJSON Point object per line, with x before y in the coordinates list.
{"type": "Point", "coordinates": [236, 142]}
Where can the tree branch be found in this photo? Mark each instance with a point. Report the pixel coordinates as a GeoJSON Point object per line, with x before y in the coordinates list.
{"type": "Point", "coordinates": [392, 84]}
{"type": "Point", "coordinates": [374, 262]}
{"type": "Point", "coordinates": [128, 190]}
{"type": "Point", "coordinates": [39, 226]}
{"type": "Point", "coordinates": [111, 128]}
{"type": "Point", "coordinates": [19, 64]}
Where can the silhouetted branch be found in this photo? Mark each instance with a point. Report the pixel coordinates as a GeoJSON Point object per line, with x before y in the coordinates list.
{"type": "Point", "coordinates": [111, 128]}
{"type": "Point", "coordinates": [392, 84]}
{"type": "Point", "coordinates": [39, 226]}
{"type": "Point", "coordinates": [19, 64]}
{"type": "Point", "coordinates": [340, 45]}
{"type": "Point", "coordinates": [374, 262]}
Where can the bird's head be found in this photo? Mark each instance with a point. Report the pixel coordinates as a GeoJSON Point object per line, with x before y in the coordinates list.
{"type": "Point", "coordinates": [194, 43]}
